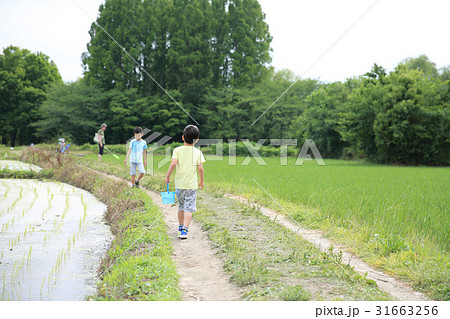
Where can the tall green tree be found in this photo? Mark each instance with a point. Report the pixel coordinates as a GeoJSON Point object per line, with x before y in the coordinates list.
{"type": "Point", "coordinates": [320, 121]}
{"type": "Point", "coordinates": [421, 63]}
{"type": "Point", "coordinates": [24, 79]}
{"type": "Point", "coordinates": [250, 42]}
{"type": "Point", "coordinates": [220, 43]}
{"type": "Point", "coordinates": [230, 112]}
{"type": "Point", "coordinates": [402, 117]}
{"type": "Point", "coordinates": [106, 64]}
{"type": "Point", "coordinates": [413, 127]}
{"type": "Point", "coordinates": [189, 67]}
{"type": "Point", "coordinates": [187, 46]}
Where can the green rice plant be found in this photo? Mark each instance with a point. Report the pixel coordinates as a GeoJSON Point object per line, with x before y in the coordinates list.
{"type": "Point", "coordinates": [19, 269]}
{"type": "Point", "coordinates": [42, 286]}
{"type": "Point", "coordinates": [29, 252]}
{"type": "Point", "coordinates": [4, 282]}
{"type": "Point", "coordinates": [4, 228]}
{"type": "Point", "coordinates": [58, 228]}
{"type": "Point", "coordinates": [32, 203]}
{"type": "Point", "coordinates": [5, 195]}
{"type": "Point", "coordinates": [12, 242]}
{"type": "Point", "coordinates": [47, 209]}
{"type": "Point", "coordinates": [85, 211]}
{"type": "Point", "coordinates": [46, 237]}
{"type": "Point", "coordinates": [66, 207]}
{"type": "Point", "coordinates": [14, 203]}
{"type": "Point", "coordinates": [13, 272]}
{"type": "Point", "coordinates": [49, 279]}
{"type": "Point", "coordinates": [62, 256]}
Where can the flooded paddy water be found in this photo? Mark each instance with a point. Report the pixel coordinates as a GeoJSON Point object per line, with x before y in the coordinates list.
{"type": "Point", "coordinates": [52, 239]}
{"type": "Point", "coordinates": [18, 166]}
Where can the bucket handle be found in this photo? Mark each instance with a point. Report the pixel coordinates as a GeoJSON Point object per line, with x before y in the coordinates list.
{"type": "Point", "coordinates": [167, 187]}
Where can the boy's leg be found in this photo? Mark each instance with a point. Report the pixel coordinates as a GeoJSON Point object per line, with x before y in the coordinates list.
{"type": "Point", "coordinates": [180, 217]}
{"type": "Point", "coordinates": [141, 173]}
{"type": "Point", "coordinates": [180, 222]}
{"type": "Point", "coordinates": [187, 219]}
{"type": "Point", "coordinates": [180, 198]}
{"type": "Point", "coordinates": [133, 173]}
{"type": "Point", "coordinates": [190, 198]}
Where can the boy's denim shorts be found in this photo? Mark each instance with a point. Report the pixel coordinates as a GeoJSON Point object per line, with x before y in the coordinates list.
{"type": "Point", "coordinates": [187, 200]}
{"type": "Point", "coordinates": [139, 166]}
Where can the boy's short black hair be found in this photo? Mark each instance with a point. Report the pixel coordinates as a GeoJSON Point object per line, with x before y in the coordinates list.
{"type": "Point", "coordinates": [191, 133]}
{"type": "Point", "coordinates": [137, 130]}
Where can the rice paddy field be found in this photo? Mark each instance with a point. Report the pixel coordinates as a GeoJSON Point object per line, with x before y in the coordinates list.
{"type": "Point", "coordinates": [395, 217]}
{"type": "Point", "coordinates": [410, 203]}
{"type": "Point", "coordinates": [52, 239]}
{"type": "Point", "coordinates": [61, 242]}
{"type": "Point", "coordinates": [18, 166]}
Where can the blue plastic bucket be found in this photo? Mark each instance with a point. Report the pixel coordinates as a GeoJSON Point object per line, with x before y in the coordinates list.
{"type": "Point", "coordinates": [168, 197]}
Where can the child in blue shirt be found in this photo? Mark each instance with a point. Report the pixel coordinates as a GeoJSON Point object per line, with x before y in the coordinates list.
{"type": "Point", "coordinates": [138, 159]}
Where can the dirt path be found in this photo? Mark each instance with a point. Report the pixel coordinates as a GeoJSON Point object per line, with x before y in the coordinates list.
{"type": "Point", "coordinates": [395, 288]}
{"type": "Point", "coordinates": [201, 272]}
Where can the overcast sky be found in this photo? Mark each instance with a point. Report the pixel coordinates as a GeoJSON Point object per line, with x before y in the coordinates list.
{"type": "Point", "coordinates": [302, 31]}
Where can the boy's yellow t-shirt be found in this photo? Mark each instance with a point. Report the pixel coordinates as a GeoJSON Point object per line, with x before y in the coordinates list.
{"type": "Point", "coordinates": [188, 158]}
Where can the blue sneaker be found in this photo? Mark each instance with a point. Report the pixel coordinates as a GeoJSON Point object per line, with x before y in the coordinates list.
{"type": "Point", "coordinates": [184, 233]}
{"type": "Point", "coordinates": [180, 228]}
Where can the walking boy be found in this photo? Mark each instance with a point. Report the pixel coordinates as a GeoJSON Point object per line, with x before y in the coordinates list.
{"type": "Point", "coordinates": [138, 155]}
{"type": "Point", "coordinates": [187, 160]}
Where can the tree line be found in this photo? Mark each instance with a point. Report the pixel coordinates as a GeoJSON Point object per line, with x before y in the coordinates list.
{"type": "Point", "coordinates": [213, 58]}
